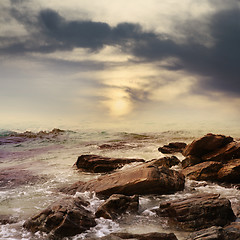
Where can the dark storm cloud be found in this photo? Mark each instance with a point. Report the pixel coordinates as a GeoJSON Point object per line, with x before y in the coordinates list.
{"type": "Point", "coordinates": [220, 63]}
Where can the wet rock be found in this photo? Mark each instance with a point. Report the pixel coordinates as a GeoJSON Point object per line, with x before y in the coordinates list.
{"type": "Point", "coordinates": [212, 233]}
{"type": "Point", "coordinates": [206, 144]}
{"type": "Point", "coordinates": [98, 164]}
{"type": "Point", "coordinates": [173, 147]}
{"type": "Point", "coordinates": [116, 205]}
{"type": "Point", "coordinates": [230, 172]}
{"type": "Point", "coordinates": [167, 161]}
{"type": "Point", "coordinates": [198, 212]}
{"type": "Point", "coordinates": [224, 154]}
{"type": "Point", "coordinates": [203, 171]}
{"type": "Point", "coordinates": [6, 219]}
{"type": "Point", "coordinates": [190, 161]}
{"type": "Point", "coordinates": [232, 231]}
{"type": "Point", "coordinates": [66, 217]}
{"type": "Point", "coordinates": [147, 236]}
{"type": "Point", "coordinates": [145, 178]}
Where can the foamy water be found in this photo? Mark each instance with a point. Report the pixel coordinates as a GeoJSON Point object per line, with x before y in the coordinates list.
{"type": "Point", "coordinates": [48, 166]}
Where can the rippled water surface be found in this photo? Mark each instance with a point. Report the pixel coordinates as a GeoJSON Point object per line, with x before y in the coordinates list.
{"type": "Point", "coordinates": [33, 169]}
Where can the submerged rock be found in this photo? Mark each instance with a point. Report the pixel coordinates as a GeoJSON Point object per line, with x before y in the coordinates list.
{"type": "Point", "coordinates": [146, 178]}
{"type": "Point", "coordinates": [116, 205]}
{"type": "Point", "coordinates": [15, 176]}
{"type": "Point", "coordinates": [66, 217]}
{"type": "Point", "coordinates": [98, 164]}
{"type": "Point", "coordinates": [173, 147]}
{"type": "Point", "coordinates": [198, 212]}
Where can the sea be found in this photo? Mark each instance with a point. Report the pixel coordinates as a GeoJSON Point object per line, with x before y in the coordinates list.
{"type": "Point", "coordinates": [35, 165]}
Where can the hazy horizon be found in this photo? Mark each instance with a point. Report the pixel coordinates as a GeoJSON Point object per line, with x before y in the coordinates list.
{"type": "Point", "coordinates": [143, 65]}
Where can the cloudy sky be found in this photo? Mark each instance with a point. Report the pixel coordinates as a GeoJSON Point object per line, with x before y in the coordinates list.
{"type": "Point", "coordinates": [114, 63]}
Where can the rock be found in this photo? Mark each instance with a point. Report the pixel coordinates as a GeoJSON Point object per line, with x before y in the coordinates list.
{"type": "Point", "coordinates": [147, 236]}
{"type": "Point", "coordinates": [212, 233]}
{"type": "Point", "coordinates": [224, 154]}
{"type": "Point", "coordinates": [232, 231]}
{"type": "Point", "coordinates": [66, 217]}
{"type": "Point", "coordinates": [198, 212]}
{"type": "Point", "coordinates": [206, 144]}
{"type": "Point", "coordinates": [167, 161]}
{"type": "Point", "coordinates": [172, 147]}
{"type": "Point", "coordinates": [146, 178]}
{"type": "Point", "coordinates": [230, 172]}
{"type": "Point", "coordinates": [116, 205]}
{"type": "Point", "coordinates": [98, 164]}
{"type": "Point", "coordinates": [203, 171]}
{"type": "Point", "coordinates": [190, 161]}
{"type": "Point", "coordinates": [15, 176]}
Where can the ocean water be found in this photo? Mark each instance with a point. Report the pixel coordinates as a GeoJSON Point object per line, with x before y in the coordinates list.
{"type": "Point", "coordinates": [34, 166]}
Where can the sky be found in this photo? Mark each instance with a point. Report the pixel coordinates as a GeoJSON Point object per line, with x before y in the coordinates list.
{"type": "Point", "coordinates": [104, 63]}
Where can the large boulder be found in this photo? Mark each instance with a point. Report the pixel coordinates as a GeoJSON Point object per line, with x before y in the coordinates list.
{"type": "Point", "coordinates": [145, 178]}
{"type": "Point", "coordinates": [66, 217]}
{"type": "Point", "coordinates": [173, 147]}
{"type": "Point", "coordinates": [203, 171]}
{"type": "Point", "coordinates": [116, 205]}
{"type": "Point", "coordinates": [198, 212]}
{"type": "Point", "coordinates": [206, 144]}
{"type": "Point", "coordinates": [98, 164]}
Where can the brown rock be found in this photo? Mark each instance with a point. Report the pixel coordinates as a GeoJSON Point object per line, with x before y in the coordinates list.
{"type": "Point", "coordinates": [167, 161]}
{"type": "Point", "coordinates": [232, 231]}
{"type": "Point", "coordinates": [212, 233]}
{"type": "Point", "coordinates": [146, 236]}
{"type": "Point", "coordinates": [172, 147]}
{"type": "Point", "coordinates": [116, 205]}
{"type": "Point", "coordinates": [190, 161]}
{"type": "Point", "coordinates": [146, 178]}
{"type": "Point", "coordinates": [230, 172]}
{"type": "Point", "coordinates": [203, 171]}
{"type": "Point", "coordinates": [206, 144]}
{"type": "Point", "coordinates": [224, 154]}
{"type": "Point", "coordinates": [198, 212]}
{"type": "Point", "coordinates": [98, 164]}
{"type": "Point", "coordinates": [66, 217]}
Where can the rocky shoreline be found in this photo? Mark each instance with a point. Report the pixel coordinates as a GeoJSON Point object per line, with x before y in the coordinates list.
{"type": "Point", "coordinates": [210, 216]}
